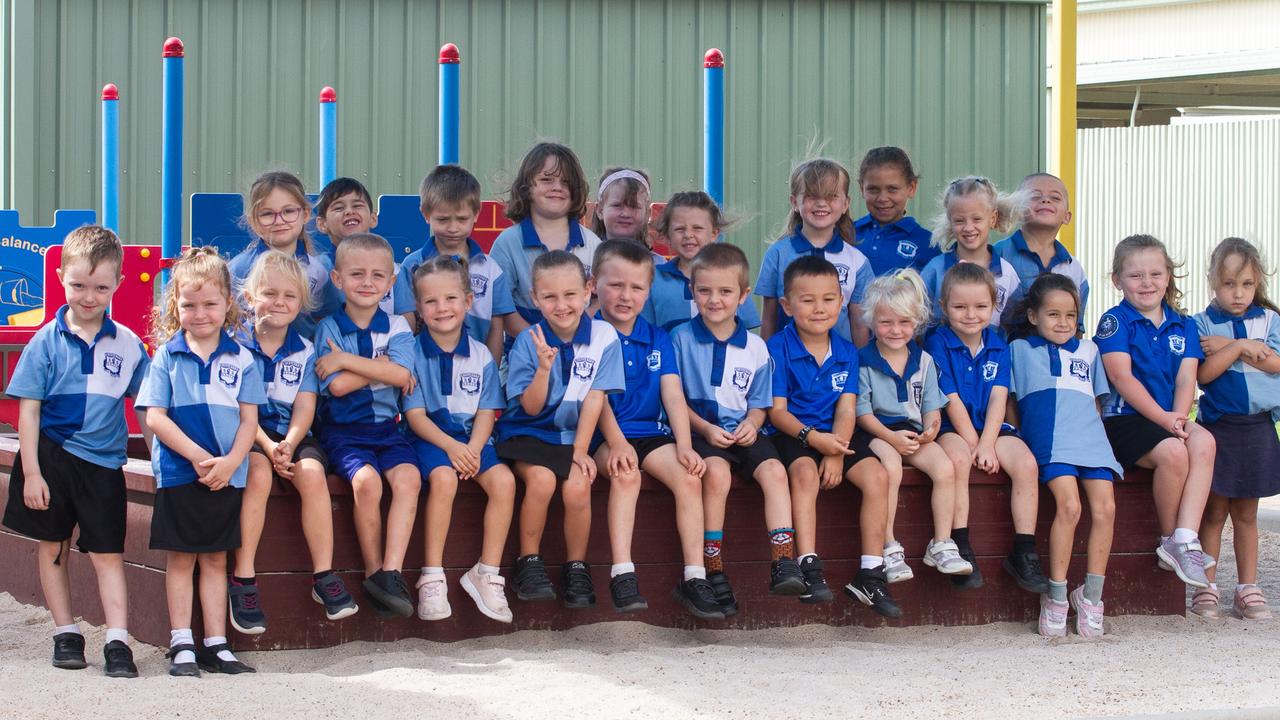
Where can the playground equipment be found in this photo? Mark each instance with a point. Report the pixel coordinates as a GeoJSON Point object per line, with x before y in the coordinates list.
{"type": "Point", "coordinates": [713, 125]}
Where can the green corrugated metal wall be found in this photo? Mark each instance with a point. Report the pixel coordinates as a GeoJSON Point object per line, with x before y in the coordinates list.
{"type": "Point", "coordinates": [958, 83]}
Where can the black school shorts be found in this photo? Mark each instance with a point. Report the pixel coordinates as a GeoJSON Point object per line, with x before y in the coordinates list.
{"type": "Point", "coordinates": [81, 494]}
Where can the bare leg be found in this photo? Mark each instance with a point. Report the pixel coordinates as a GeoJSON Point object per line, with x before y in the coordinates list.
{"type": "Point", "coordinates": [1215, 517]}
{"type": "Point", "coordinates": [55, 580]}
{"type": "Point", "coordinates": [366, 491]}
{"type": "Point", "coordinates": [804, 504]}
{"type": "Point", "coordinates": [624, 492]}
{"type": "Point", "coordinates": [253, 513]}
{"type": "Point", "coordinates": [1062, 534]}
{"type": "Point", "coordinates": [442, 487]}
{"type": "Point", "coordinates": [1169, 461]}
{"type": "Point", "coordinates": [317, 512]}
{"type": "Point", "coordinates": [1244, 525]}
{"type": "Point", "coordinates": [664, 465]}
{"type": "Point", "coordinates": [777, 497]}
{"type": "Point", "coordinates": [957, 451]}
{"type": "Point", "coordinates": [576, 496]}
{"type": "Point", "coordinates": [933, 461]}
{"type": "Point", "coordinates": [1020, 465]}
{"type": "Point", "coordinates": [1102, 517]}
{"type": "Point", "coordinates": [500, 485]}
{"type": "Point", "coordinates": [892, 462]}
{"type": "Point", "coordinates": [178, 570]}
{"type": "Point", "coordinates": [406, 483]}
{"type": "Point", "coordinates": [109, 567]}
{"type": "Point", "coordinates": [540, 485]}
{"type": "Point", "coordinates": [870, 477]}
{"type": "Point", "coordinates": [213, 593]}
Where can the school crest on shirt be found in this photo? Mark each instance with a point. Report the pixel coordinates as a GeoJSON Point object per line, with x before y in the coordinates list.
{"type": "Point", "coordinates": [379, 351]}
{"type": "Point", "coordinates": [112, 363]}
{"type": "Point", "coordinates": [917, 392]}
{"type": "Point", "coordinates": [838, 380]}
{"type": "Point", "coordinates": [1177, 344]}
{"type": "Point", "coordinates": [741, 378]}
{"type": "Point", "coordinates": [1107, 326]}
{"type": "Point", "coordinates": [1080, 368]}
{"type": "Point", "coordinates": [843, 271]}
{"type": "Point", "coordinates": [479, 285]}
{"type": "Point", "coordinates": [989, 369]}
{"type": "Point", "coordinates": [228, 374]}
{"type": "Point", "coordinates": [907, 249]}
{"type": "Point", "coordinates": [1002, 294]}
{"type": "Point", "coordinates": [583, 368]}
{"type": "Point", "coordinates": [290, 372]}
{"type": "Point", "coordinates": [469, 383]}
{"type": "Point", "coordinates": [654, 361]}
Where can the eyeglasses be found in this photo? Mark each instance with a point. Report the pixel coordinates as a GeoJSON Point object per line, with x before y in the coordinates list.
{"type": "Point", "coordinates": [267, 218]}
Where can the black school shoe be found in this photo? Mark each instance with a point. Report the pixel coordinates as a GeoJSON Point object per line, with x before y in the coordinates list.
{"type": "Point", "coordinates": [785, 578]}
{"type": "Point", "coordinates": [1026, 571]}
{"type": "Point", "coordinates": [625, 589]}
{"type": "Point", "coordinates": [815, 585]}
{"type": "Point", "coordinates": [119, 660]}
{"type": "Point", "coordinates": [973, 580]}
{"type": "Point", "coordinates": [724, 593]}
{"type": "Point", "coordinates": [579, 591]}
{"type": "Point", "coordinates": [531, 579]}
{"type": "Point", "coordinates": [245, 605]}
{"type": "Point", "coordinates": [178, 669]}
{"type": "Point", "coordinates": [208, 660]}
{"type": "Point", "coordinates": [871, 587]}
{"type": "Point", "coordinates": [68, 651]}
{"type": "Point", "coordinates": [699, 598]}
{"type": "Point", "coordinates": [388, 588]}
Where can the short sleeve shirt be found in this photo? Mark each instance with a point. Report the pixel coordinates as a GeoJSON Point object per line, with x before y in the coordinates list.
{"type": "Point", "coordinates": [812, 388]}
{"type": "Point", "coordinates": [1156, 352]}
{"type": "Point", "coordinates": [970, 376]}
{"type": "Point", "coordinates": [288, 371]}
{"type": "Point", "coordinates": [518, 246]}
{"type": "Point", "coordinates": [1243, 389]}
{"type": "Point", "coordinates": [490, 289]}
{"type": "Point", "coordinates": [671, 303]}
{"type": "Point", "coordinates": [894, 246]}
{"type": "Point", "coordinates": [852, 266]}
{"type": "Point", "coordinates": [647, 355]}
{"type": "Point", "coordinates": [1028, 265]}
{"type": "Point", "coordinates": [723, 379]}
{"type": "Point", "coordinates": [376, 402]}
{"type": "Point", "coordinates": [454, 384]}
{"type": "Point", "coordinates": [1007, 284]}
{"type": "Point", "coordinates": [895, 399]}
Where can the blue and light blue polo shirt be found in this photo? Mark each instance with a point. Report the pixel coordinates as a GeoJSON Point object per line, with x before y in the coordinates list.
{"type": "Point", "coordinates": [671, 304]}
{"type": "Point", "coordinates": [812, 388]}
{"type": "Point", "coordinates": [518, 246]}
{"type": "Point", "coordinates": [855, 272]}
{"type": "Point", "coordinates": [453, 384]}
{"type": "Point", "coordinates": [288, 371]}
{"type": "Point", "coordinates": [970, 376]}
{"type": "Point", "coordinates": [1027, 264]}
{"type": "Point", "coordinates": [203, 399]}
{"type": "Point", "coordinates": [1008, 288]}
{"type": "Point", "coordinates": [376, 402]}
{"type": "Point", "coordinates": [723, 379]}
{"type": "Point", "coordinates": [1056, 387]}
{"type": "Point", "coordinates": [325, 298]}
{"type": "Point", "coordinates": [81, 387]}
{"type": "Point", "coordinates": [647, 355]}
{"type": "Point", "coordinates": [895, 398]}
{"type": "Point", "coordinates": [1156, 354]}
{"type": "Point", "coordinates": [894, 246]}
{"type": "Point", "coordinates": [490, 288]}
{"type": "Point", "coordinates": [590, 360]}
{"type": "Point", "coordinates": [1243, 389]}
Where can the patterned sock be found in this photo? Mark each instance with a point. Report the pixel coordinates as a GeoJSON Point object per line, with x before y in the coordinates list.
{"type": "Point", "coordinates": [782, 543]}
{"type": "Point", "coordinates": [1093, 587]}
{"type": "Point", "coordinates": [1023, 543]}
{"type": "Point", "coordinates": [711, 541]}
{"type": "Point", "coordinates": [961, 536]}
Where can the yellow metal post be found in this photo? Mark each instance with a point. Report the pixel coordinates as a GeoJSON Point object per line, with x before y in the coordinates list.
{"type": "Point", "coordinates": [1063, 106]}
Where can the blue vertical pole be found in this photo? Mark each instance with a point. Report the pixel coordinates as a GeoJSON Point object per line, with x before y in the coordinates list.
{"type": "Point", "coordinates": [449, 62]}
{"type": "Point", "coordinates": [171, 153]}
{"type": "Point", "coordinates": [111, 157]}
{"type": "Point", "coordinates": [328, 135]}
{"type": "Point", "coordinates": [713, 125]}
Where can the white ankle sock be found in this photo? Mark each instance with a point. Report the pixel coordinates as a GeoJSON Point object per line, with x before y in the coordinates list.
{"type": "Point", "coordinates": [1183, 535]}
{"type": "Point", "coordinates": [224, 655]}
{"type": "Point", "coordinates": [117, 634]}
{"type": "Point", "coordinates": [871, 562]}
{"type": "Point", "coordinates": [182, 636]}
{"type": "Point", "coordinates": [432, 571]}
{"type": "Point", "coordinates": [487, 569]}
{"type": "Point", "coordinates": [692, 572]}
{"type": "Point", "coordinates": [619, 568]}
{"type": "Point", "coordinates": [72, 628]}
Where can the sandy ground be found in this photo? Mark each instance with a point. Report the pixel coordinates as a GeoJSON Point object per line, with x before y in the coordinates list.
{"type": "Point", "coordinates": [1145, 666]}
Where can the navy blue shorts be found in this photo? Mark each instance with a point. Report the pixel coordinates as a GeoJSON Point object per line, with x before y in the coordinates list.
{"type": "Point", "coordinates": [378, 445]}
{"type": "Point", "coordinates": [431, 457]}
{"type": "Point", "coordinates": [1056, 470]}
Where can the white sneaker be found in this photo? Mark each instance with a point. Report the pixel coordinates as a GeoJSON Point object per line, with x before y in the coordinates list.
{"type": "Point", "coordinates": [433, 597]}
{"type": "Point", "coordinates": [945, 556]}
{"type": "Point", "coordinates": [1053, 617]}
{"type": "Point", "coordinates": [895, 562]}
{"type": "Point", "coordinates": [489, 592]}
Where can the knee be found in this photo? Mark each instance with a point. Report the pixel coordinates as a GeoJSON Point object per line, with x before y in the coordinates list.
{"type": "Point", "coordinates": [366, 488]}
{"type": "Point", "coordinates": [308, 480]}
{"type": "Point", "coordinates": [772, 476]}
{"type": "Point", "coordinates": [501, 483]}
{"type": "Point", "coordinates": [1102, 509]}
{"type": "Point", "coordinates": [1069, 510]}
{"type": "Point", "coordinates": [804, 478]}
{"type": "Point", "coordinates": [1244, 514]}
{"type": "Point", "coordinates": [1173, 455]}
{"type": "Point", "coordinates": [627, 482]}
{"type": "Point", "coordinates": [540, 484]}
{"type": "Point", "coordinates": [1215, 513]}
{"type": "Point", "coordinates": [443, 484]}
{"type": "Point", "coordinates": [1026, 471]}
{"type": "Point", "coordinates": [874, 480]}
{"type": "Point", "coordinates": [576, 492]}
{"type": "Point", "coordinates": [943, 475]}
{"type": "Point", "coordinates": [717, 480]}
{"type": "Point", "coordinates": [213, 562]}
{"type": "Point", "coordinates": [407, 483]}
{"type": "Point", "coordinates": [1201, 444]}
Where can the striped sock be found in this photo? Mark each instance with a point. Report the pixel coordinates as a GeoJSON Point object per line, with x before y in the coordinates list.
{"type": "Point", "coordinates": [782, 543]}
{"type": "Point", "coordinates": [711, 540]}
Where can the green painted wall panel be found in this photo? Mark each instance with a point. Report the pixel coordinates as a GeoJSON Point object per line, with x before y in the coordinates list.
{"type": "Point", "coordinates": [958, 83]}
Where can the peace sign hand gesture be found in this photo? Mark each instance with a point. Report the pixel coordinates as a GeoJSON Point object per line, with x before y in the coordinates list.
{"type": "Point", "coordinates": [546, 353]}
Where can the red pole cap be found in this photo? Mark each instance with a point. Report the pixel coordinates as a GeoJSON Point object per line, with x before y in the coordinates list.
{"type": "Point", "coordinates": [713, 59]}
{"type": "Point", "coordinates": [327, 95]}
{"type": "Point", "coordinates": [110, 92]}
{"type": "Point", "coordinates": [173, 48]}
{"type": "Point", "coordinates": [449, 54]}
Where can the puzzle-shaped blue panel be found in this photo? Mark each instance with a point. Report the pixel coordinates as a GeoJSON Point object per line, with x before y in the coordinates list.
{"type": "Point", "coordinates": [400, 221]}
{"type": "Point", "coordinates": [218, 219]}
{"type": "Point", "coordinates": [22, 252]}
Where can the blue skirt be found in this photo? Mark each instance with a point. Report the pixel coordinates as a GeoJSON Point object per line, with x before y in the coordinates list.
{"type": "Point", "coordinates": [1248, 461]}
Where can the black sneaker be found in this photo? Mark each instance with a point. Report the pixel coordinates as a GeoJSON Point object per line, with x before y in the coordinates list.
{"type": "Point", "coordinates": [973, 580]}
{"type": "Point", "coordinates": [724, 594]}
{"type": "Point", "coordinates": [387, 586]}
{"type": "Point", "coordinates": [531, 579]}
{"type": "Point", "coordinates": [625, 589]}
{"type": "Point", "coordinates": [208, 660]}
{"type": "Point", "coordinates": [332, 593]}
{"type": "Point", "coordinates": [575, 580]}
{"type": "Point", "coordinates": [379, 608]}
{"type": "Point", "coordinates": [785, 578]}
{"type": "Point", "coordinates": [186, 669]}
{"type": "Point", "coordinates": [246, 609]}
{"type": "Point", "coordinates": [1026, 571]}
{"type": "Point", "coordinates": [119, 660]}
{"type": "Point", "coordinates": [698, 597]}
{"type": "Point", "coordinates": [68, 651]}
{"type": "Point", "coordinates": [815, 585]}
{"type": "Point", "coordinates": [871, 587]}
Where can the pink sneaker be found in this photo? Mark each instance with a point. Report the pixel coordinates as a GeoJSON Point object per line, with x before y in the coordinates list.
{"type": "Point", "coordinates": [1053, 617]}
{"type": "Point", "coordinates": [489, 591]}
{"type": "Point", "coordinates": [1250, 604]}
{"type": "Point", "coordinates": [1205, 603]}
{"type": "Point", "coordinates": [433, 597]}
{"type": "Point", "coordinates": [1088, 615]}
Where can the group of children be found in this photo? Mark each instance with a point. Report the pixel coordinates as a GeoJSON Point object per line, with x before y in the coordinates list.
{"type": "Point", "coordinates": [881, 345]}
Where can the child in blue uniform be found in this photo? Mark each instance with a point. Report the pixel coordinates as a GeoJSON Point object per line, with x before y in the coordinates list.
{"type": "Point", "coordinates": [363, 361]}
{"type": "Point", "coordinates": [1240, 334]}
{"type": "Point", "coordinates": [891, 239]}
{"type": "Point", "coordinates": [900, 405]}
{"type": "Point", "coordinates": [450, 415]}
{"type": "Point", "coordinates": [820, 225]}
{"type": "Point", "coordinates": [547, 200]}
{"type": "Point", "coordinates": [973, 372]}
{"type": "Point", "coordinates": [277, 291]}
{"type": "Point", "coordinates": [277, 211]}
{"type": "Point", "coordinates": [1151, 353]}
{"type": "Point", "coordinates": [1034, 248]}
{"type": "Point", "coordinates": [622, 207]}
{"type": "Point", "coordinates": [201, 396]}
{"type": "Point", "coordinates": [1058, 383]}
{"type": "Point", "coordinates": [812, 424]}
{"type": "Point", "coordinates": [559, 371]}
{"type": "Point", "coordinates": [690, 221]}
{"type": "Point", "coordinates": [972, 209]}
{"type": "Point", "coordinates": [345, 208]}
{"type": "Point", "coordinates": [70, 382]}
{"type": "Point", "coordinates": [727, 375]}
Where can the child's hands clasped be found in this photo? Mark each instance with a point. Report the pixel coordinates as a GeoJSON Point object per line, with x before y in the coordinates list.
{"type": "Point", "coordinates": [1176, 423]}
{"type": "Point", "coordinates": [984, 458]}
{"type": "Point", "coordinates": [746, 433]}
{"type": "Point", "coordinates": [465, 461]}
{"type": "Point", "coordinates": [282, 459]}
{"type": "Point", "coordinates": [219, 471]}
{"type": "Point", "coordinates": [905, 442]}
{"type": "Point", "coordinates": [717, 436]}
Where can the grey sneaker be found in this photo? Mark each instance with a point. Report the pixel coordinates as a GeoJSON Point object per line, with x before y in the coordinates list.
{"type": "Point", "coordinates": [1185, 559]}
{"type": "Point", "coordinates": [945, 556]}
{"type": "Point", "coordinates": [895, 561]}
